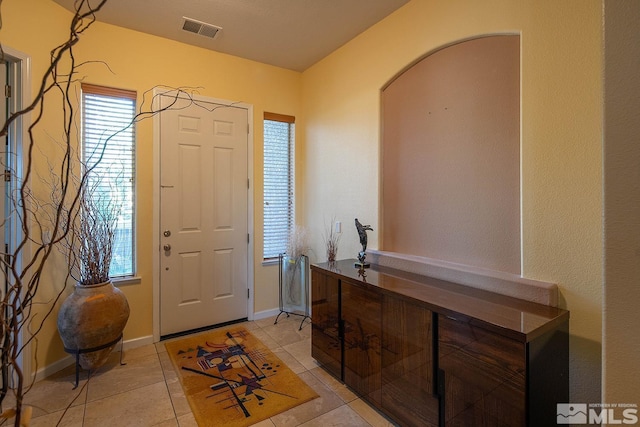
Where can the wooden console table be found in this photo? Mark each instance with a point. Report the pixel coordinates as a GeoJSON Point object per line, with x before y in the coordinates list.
{"type": "Point", "coordinates": [427, 352]}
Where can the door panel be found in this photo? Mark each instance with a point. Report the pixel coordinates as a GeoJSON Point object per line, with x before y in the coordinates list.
{"type": "Point", "coordinates": [362, 324]}
{"type": "Point", "coordinates": [223, 177]}
{"type": "Point", "coordinates": [483, 373]}
{"type": "Point", "coordinates": [204, 209]}
{"type": "Point", "coordinates": [407, 363]}
{"type": "Point", "coordinates": [326, 338]}
{"type": "Point", "coordinates": [223, 265]}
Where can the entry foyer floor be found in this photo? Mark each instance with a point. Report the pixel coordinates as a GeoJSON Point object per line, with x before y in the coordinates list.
{"type": "Point", "coordinates": [147, 392]}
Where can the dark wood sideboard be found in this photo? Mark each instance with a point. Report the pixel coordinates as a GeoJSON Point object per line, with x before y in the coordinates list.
{"type": "Point", "coordinates": [427, 352]}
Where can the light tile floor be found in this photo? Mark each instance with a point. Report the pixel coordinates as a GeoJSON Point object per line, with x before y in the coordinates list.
{"type": "Point", "coordinates": [147, 392]}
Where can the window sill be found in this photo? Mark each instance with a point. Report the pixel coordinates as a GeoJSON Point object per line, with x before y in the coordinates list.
{"type": "Point", "coordinates": [271, 261]}
{"type": "Point", "coordinates": [124, 281]}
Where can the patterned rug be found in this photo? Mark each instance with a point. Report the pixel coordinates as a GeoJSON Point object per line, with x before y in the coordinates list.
{"type": "Point", "coordinates": [230, 378]}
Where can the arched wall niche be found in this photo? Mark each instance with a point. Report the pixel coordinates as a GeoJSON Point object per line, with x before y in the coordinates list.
{"type": "Point", "coordinates": [450, 156]}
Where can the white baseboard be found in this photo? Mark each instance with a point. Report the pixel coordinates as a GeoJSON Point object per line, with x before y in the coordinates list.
{"type": "Point", "coordinates": [137, 342]}
{"type": "Point", "coordinates": [266, 313]}
{"type": "Point", "coordinates": [54, 367]}
{"type": "Point", "coordinates": [70, 360]}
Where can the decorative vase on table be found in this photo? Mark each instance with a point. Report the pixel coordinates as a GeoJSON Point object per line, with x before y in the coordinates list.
{"type": "Point", "coordinates": [93, 317]}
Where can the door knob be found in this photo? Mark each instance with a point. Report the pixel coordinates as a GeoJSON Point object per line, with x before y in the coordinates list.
{"type": "Point", "coordinates": [167, 233]}
{"type": "Point", "coordinates": [167, 247]}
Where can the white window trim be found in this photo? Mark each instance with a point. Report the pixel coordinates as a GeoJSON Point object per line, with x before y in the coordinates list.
{"type": "Point", "coordinates": [131, 278]}
{"type": "Point", "coordinates": [272, 259]}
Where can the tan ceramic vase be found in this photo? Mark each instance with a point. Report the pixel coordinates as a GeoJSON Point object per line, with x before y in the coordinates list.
{"type": "Point", "coordinates": [92, 317]}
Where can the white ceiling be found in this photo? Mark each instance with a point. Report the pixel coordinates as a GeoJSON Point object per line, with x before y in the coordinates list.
{"type": "Point", "coordinates": [292, 34]}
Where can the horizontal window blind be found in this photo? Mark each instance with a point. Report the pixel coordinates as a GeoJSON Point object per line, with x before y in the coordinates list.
{"type": "Point", "coordinates": [109, 150]}
{"type": "Point", "coordinates": [279, 131]}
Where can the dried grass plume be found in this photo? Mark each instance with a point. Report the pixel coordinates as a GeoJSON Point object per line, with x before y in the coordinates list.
{"type": "Point", "coordinates": [298, 242]}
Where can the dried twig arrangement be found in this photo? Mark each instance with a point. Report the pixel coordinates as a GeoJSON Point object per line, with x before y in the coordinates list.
{"type": "Point", "coordinates": [23, 266]}
{"type": "Point", "coordinates": [331, 240]}
{"type": "Point", "coordinates": [298, 242]}
{"type": "Point", "coordinates": [88, 246]}
{"type": "Point", "coordinates": [45, 223]}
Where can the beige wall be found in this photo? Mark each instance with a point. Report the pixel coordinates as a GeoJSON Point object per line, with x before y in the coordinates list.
{"type": "Point", "coordinates": [561, 95]}
{"type": "Point", "coordinates": [138, 61]}
{"type": "Point", "coordinates": [450, 156]}
{"type": "Point", "coordinates": [621, 335]}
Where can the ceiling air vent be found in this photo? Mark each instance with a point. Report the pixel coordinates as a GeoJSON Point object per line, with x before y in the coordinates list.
{"type": "Point", "coordinates": [199, 27]}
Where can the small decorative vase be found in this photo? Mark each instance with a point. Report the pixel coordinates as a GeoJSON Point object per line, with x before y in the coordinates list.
{"type": "Point", "coordinates": [93, 317]}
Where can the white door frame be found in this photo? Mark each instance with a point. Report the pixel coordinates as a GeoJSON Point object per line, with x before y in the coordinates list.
{"type": "Point", "coordinates": [156, 204]}
{"type": "Point", "coordinates": [20, 72]}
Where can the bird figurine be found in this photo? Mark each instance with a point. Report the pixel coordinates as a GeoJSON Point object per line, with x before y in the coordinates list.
{"type": "Point", "coordinates": [362, 232]}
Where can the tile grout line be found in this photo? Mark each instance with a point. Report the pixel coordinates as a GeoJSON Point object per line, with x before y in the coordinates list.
{"type": "Point", "coordinates": [164, 380]}
{"type": "Point", "coordinates": [86, 399]}
{"type": "Point", "coordinates": [306, 370]}
{"type": "Point", "coordinates": [166, 386]}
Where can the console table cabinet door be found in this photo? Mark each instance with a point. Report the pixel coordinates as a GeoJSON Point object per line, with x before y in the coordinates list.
{"type": "Point", "coordinates": [361, 315]}
{"type": "Point", "coordinates": [483, 374]}
{"type": "Point", "coordinates": [326, 342]}
{"type": "Point", "coordinates": [407, 363]}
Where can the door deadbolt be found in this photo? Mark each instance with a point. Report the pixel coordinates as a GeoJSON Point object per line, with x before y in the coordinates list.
{"type": "Point", "coordinates": [167, 247]}
{"type": "Point", "coordinates": [167, 233]}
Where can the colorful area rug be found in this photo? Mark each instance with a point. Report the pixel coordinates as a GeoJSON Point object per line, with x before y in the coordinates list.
{"type": "Point", "coordinates": [230, 378]}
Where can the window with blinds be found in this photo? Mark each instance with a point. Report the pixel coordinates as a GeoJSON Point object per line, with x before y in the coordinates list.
{"type": "Point", "coordinates": [108, 146]}
{"type": "Point", "coordinates": [279, 142]}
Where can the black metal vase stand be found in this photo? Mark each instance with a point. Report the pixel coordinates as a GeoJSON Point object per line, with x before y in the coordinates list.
{"type": "Point", "coordinates": [302, 309]}
{"type": "Point", "coordinates": [78, 352]}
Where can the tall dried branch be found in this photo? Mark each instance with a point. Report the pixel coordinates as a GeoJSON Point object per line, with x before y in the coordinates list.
{"type": "Point", "coordinates": [24, 265]}
{"type": "Point", "coordinates": [45, 223]}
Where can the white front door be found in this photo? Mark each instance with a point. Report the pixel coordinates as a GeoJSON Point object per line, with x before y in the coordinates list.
{"type": "Point", "coordinates": [203, 215]}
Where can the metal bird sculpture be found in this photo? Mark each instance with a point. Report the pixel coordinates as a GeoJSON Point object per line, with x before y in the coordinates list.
{"type": "Point", "coordinates": [362, 232]}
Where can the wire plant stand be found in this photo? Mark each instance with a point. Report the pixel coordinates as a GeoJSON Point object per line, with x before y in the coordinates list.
{"type": "Point", "coordinates": [293, 287]}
